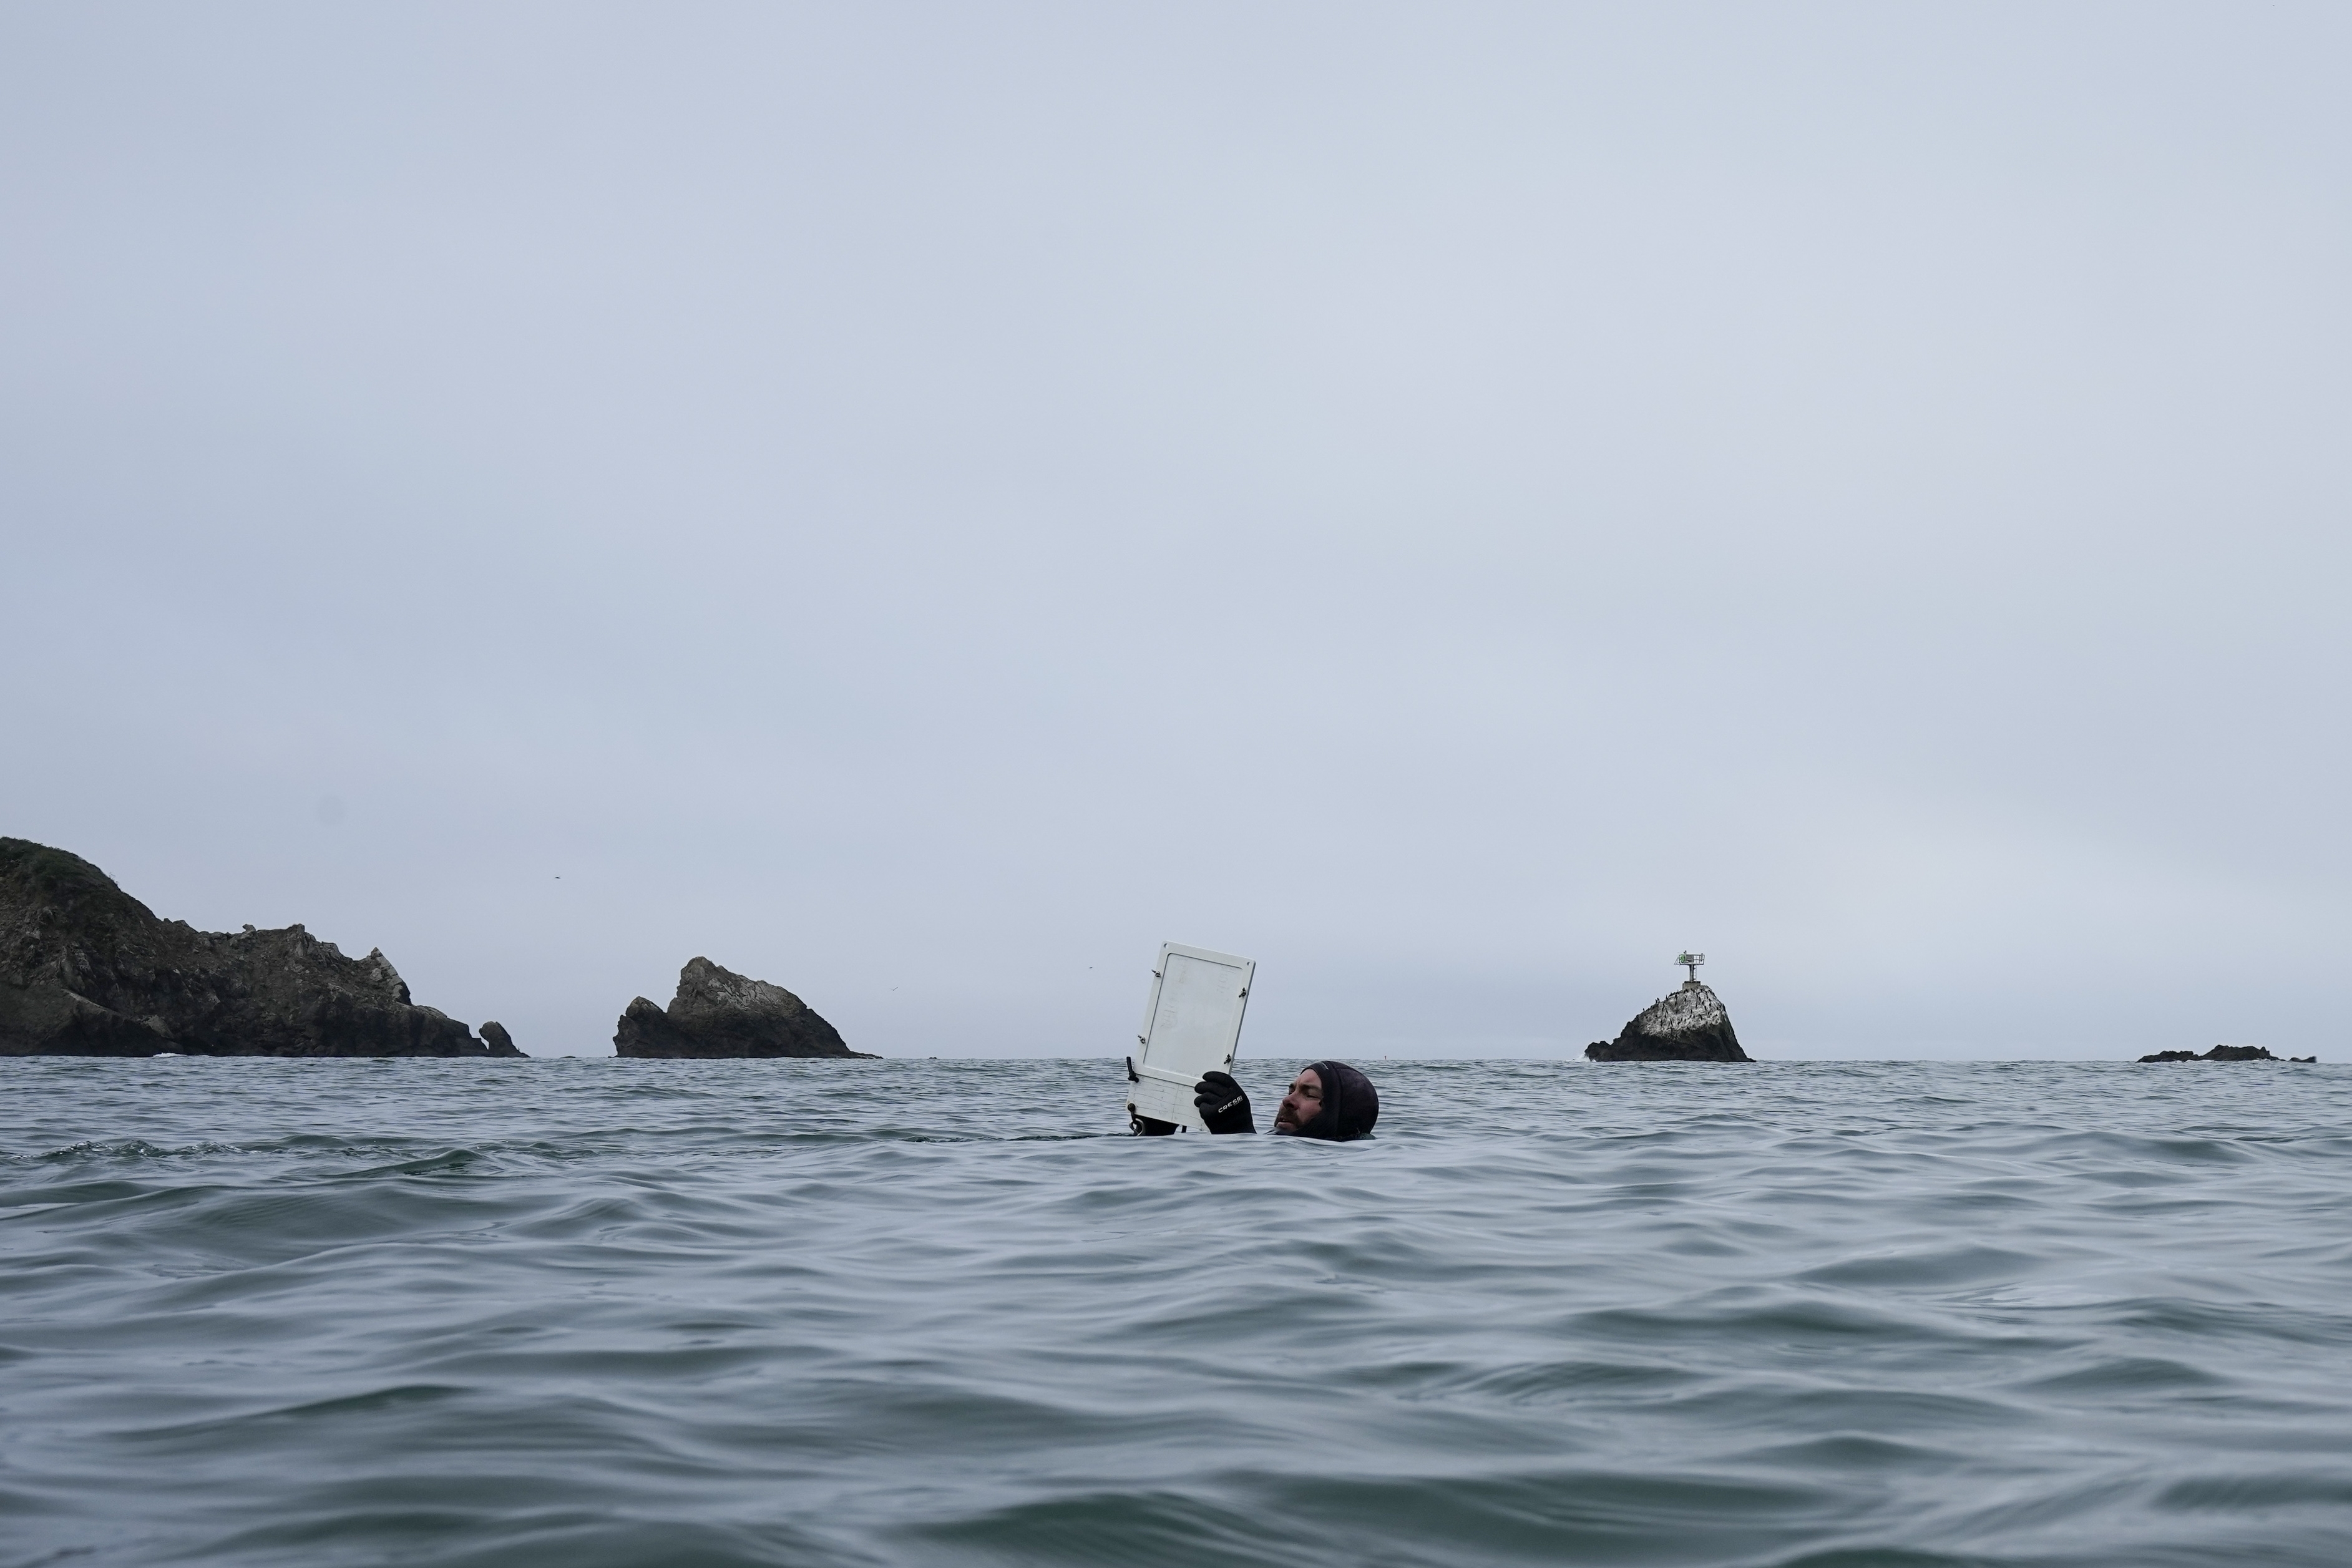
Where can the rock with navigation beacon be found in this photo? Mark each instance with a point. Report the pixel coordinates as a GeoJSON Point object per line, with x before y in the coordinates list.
{"type": "Point", "coordinates": [719, 1013]}
{"type": "Point", "coordinates": [1688, 1024]}
{"type": "Point", "coordinates": [87, 970]}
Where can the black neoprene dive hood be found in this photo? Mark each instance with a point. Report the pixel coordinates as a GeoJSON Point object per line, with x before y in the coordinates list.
{"type": "Point", "coordinates": [1350, 1103]}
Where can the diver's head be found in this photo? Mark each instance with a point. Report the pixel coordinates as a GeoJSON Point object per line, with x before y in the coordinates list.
{"type": "Point", "coordinates": [1329, 1100]}
{"type": "Point", "coordinates": [1302, 1104]}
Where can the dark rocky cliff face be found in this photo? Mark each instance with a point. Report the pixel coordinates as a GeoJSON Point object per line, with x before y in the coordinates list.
{"type": "Point", "coordinates": [717, 1012]}
{"type": "Point", "coordinates": [87, 970]}
{"type": "Point", "coordinates": [1689, 1024]}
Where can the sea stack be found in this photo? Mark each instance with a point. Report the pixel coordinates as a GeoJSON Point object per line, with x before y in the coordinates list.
{"type": "Point", "coordinates": [87, 970]}
{"type": "Point", "coordinates": [1688, 1024]}
{"type": "Point", "coordinates": [719, 1013]}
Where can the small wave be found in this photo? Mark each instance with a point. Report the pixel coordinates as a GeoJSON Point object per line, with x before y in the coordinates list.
{"type": "Point", "coordinates": [2017, 1317]}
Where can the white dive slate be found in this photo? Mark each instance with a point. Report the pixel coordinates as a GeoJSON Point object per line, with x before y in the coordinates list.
{"type": "Point", "coordinates": [1191, 1025]}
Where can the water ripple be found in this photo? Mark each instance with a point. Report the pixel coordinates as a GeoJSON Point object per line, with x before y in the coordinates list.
{"type": "Point", "coordinates": [902, 1312]}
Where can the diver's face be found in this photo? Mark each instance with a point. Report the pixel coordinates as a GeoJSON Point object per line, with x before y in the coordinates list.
{"type": "Point", "coordinates": [1302, 1104]}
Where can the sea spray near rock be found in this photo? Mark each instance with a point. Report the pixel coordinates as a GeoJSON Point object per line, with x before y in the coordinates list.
{"type": "Point", "coordinates": [87, 970]}
{"type": "Point", "coordinates": [1689, 1023]}
{"type": "Point", "coordinates": [719, 1013]}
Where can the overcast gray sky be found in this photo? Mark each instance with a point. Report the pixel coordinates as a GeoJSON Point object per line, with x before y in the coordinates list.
{"type": "Point", "coordinates": [923, 503]}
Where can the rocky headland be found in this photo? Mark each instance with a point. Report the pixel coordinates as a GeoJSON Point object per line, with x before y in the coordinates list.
{"type": "Point", "coordinates": [719, 1013]}
{"type": "Point", "coordinates": [87, 970]}
{"type": "Point", "coordinates": [1689, 1023]}
{"type": "Point", "coordinates": [2223, 1053]}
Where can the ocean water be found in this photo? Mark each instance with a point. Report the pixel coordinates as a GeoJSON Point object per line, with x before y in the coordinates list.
{"type": "Point", "coordinates": [590, 1313]}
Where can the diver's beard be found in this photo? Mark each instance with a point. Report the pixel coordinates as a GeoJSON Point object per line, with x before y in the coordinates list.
{"type": "Point", "coordinates": [1285, 1121]}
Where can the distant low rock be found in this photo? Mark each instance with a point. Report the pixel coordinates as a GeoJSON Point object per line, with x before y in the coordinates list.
{"type": "Point", "coordinates": [2223, 1053]}
{"type": "Point", "coordinates": [719, 1013]}
{"type": "Point", "coordinates": [87, 970]}
{"type": "Point", "coordinates": [1689, 1023]}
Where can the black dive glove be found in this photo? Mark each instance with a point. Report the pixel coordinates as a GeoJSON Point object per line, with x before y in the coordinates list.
{"type": "Point", "coordinates": [1223, 1104]}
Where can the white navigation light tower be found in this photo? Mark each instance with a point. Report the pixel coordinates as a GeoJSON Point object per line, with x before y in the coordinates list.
{"type": "Point", "coordinates": [1691, 961]}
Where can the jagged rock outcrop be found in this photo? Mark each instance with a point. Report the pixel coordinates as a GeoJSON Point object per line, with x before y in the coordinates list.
{"type": "Point", "coordinates": [497, 1041]}
{"type": "Point", "coordinates": [87, 970]}
{"type": "Point", "coordinates": [1688, 1024]}
{"type": "Point", "coordinates": [717, 1013]}
{"type": "Point", "coordinates": [2223, 1053]}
